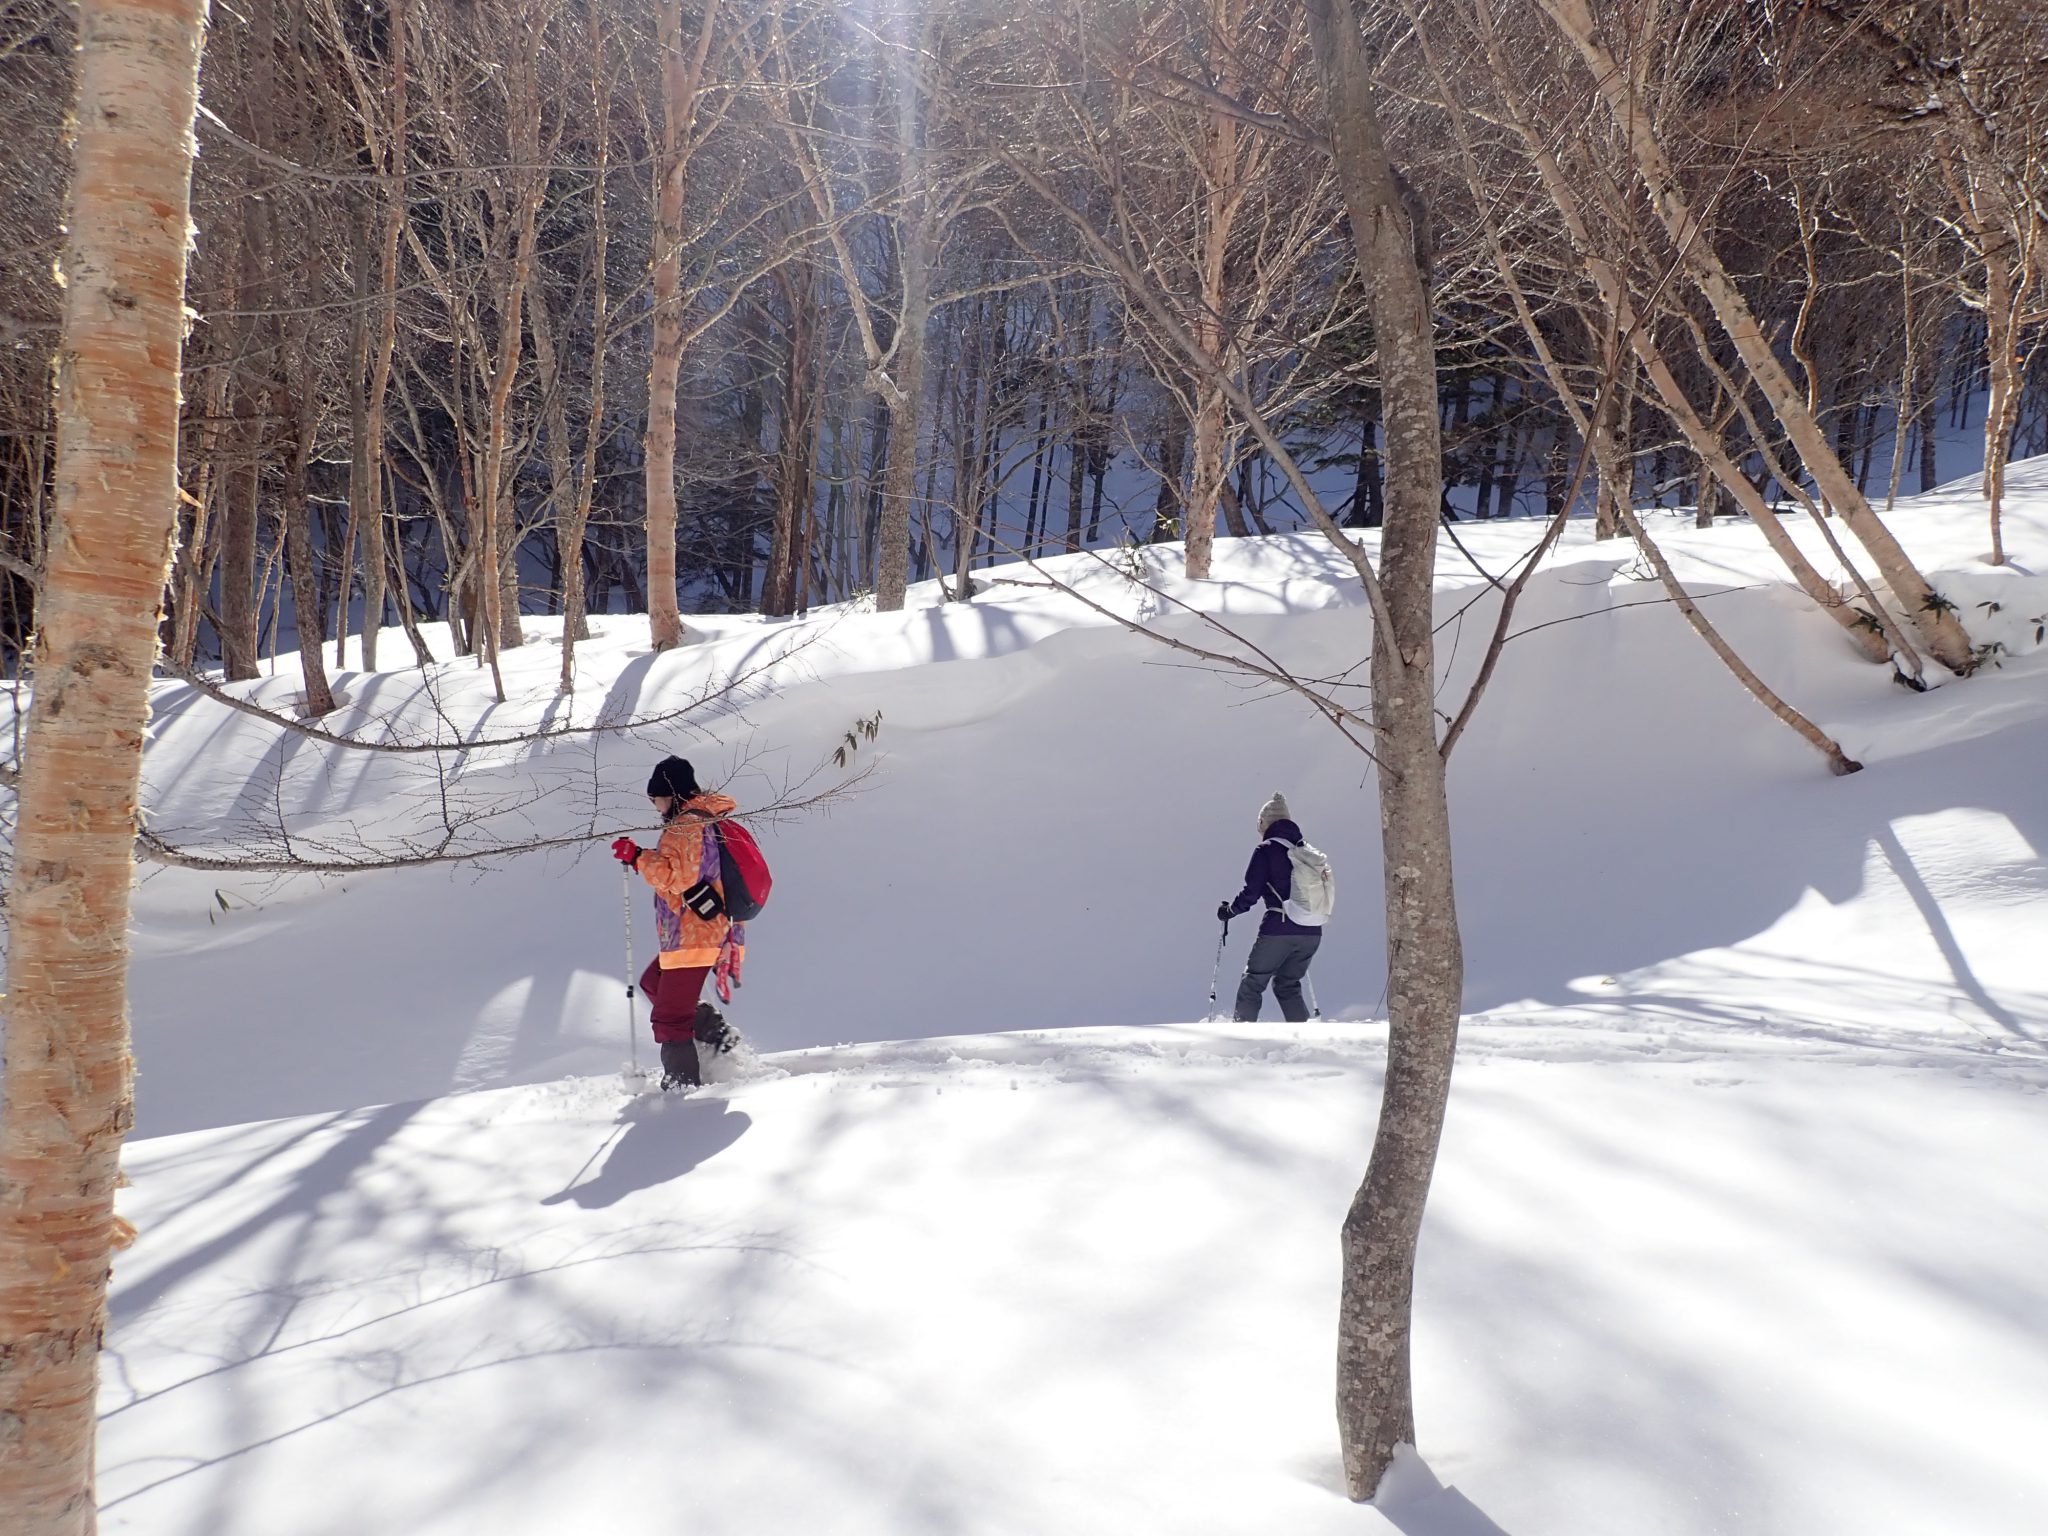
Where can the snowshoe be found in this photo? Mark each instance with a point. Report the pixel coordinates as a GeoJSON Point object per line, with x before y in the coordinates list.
{"type": "Point", "coordinates": [712, 1031]}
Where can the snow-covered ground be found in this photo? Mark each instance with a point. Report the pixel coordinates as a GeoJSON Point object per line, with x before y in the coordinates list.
{"type": "Point", "coordinates": [1739, 1224]}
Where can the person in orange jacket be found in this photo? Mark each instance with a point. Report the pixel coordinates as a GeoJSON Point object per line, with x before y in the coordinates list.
{"type": "Point", "coordinates": [696, 936]}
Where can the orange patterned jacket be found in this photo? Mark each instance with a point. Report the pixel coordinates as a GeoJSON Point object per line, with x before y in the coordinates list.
{"type": "Point", "coordinates": [687, 853]}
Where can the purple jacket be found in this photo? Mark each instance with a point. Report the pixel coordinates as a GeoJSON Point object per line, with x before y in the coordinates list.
{"type": "Point", "coordinates": [1271, 875]}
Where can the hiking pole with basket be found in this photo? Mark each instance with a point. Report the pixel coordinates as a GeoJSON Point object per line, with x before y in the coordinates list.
{"type": "Point", "coordinates": [632, 1023]}
{"type": "Point", "coordinates": [1216, 972]}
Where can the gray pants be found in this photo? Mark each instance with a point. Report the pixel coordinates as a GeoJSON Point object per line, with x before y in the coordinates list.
{"type": "Point", "coordinates": [1282, 959]}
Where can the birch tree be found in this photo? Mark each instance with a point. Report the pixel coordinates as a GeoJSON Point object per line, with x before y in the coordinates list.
{"type": "Point", "coordinates": [682, 79]}
{"type": "Point", "coordinates": [381, 114]}
{"type": "Point", "coordinates": [1974, 71]}
{"type": "Point", "coordinates": [65, 1100]}
{"type": "Point", "coordinates": [1611, 286]}
{"type": "Point", "coordinates": [1933, 614]}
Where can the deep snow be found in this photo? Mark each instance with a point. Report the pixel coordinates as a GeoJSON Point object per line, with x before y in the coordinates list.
{"type": "Point", "coordinates": [1738, 1224]}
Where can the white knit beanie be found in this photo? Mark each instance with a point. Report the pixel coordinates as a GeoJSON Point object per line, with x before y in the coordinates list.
{"type": "Point", "coordinates": [1273, 810]}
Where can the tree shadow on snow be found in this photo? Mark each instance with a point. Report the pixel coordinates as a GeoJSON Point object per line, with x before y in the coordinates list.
{"type": "Point", "coordinates": [661, 1140]}
{"type": "Point", "coordinates": [1410, 1498]}
{"type": "Point", "coordinates": [1739, 830]}
{"type": "Point", "coordinates": [1416, 1504]}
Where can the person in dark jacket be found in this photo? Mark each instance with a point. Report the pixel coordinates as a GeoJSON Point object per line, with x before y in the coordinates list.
{"type": "Point", "coordinates": [1282, 951]}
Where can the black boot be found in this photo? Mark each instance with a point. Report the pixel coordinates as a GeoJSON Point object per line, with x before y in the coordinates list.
{"type": "Point", "coordinates": [679, 1065]}
{"type": "Point", "coordinates": [711, 1030]}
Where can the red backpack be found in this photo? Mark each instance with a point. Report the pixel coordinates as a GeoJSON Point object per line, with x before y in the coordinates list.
{"type": "Point", "coordinates": [742, 871]}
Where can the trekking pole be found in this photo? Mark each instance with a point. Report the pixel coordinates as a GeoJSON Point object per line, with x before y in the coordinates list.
{"type": "Point", "coordinates": [1315, 1009]}
{"type": "Point", "coordinates": [632, 1024]}
{"type": "Point", "coordinates": [1216, 973]}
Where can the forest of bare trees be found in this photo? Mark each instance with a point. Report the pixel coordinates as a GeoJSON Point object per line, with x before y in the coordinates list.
{"type": "Point", "coordinates": [523, 306]}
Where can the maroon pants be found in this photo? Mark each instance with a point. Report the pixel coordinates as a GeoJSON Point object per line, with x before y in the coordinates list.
{"type": "Point", "coordinates": [674, 996]}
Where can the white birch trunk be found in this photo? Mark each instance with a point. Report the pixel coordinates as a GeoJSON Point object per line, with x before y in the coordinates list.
{"type": "Point", "coordinates": [680, 81]}
{"type": "Point", "coordinates": [372, 452]}
{"type": "Point", "coordinates": [67, 1100]}
{"type": "Point", "coordinates": [906, 397]}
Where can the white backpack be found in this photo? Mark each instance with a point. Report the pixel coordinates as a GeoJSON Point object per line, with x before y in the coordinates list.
{"type": "Point", "coordinates": [1312, 892]}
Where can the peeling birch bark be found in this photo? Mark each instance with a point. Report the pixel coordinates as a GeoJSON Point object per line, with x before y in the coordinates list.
{"type": "Point", "coordinates": [67, 1101]}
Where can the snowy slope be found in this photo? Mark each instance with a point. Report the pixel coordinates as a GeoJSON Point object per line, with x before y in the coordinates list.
{"type": "Point", "coordinates": [1029, 752]}
{"type": "Point", "coordinates": [1736, 1228]}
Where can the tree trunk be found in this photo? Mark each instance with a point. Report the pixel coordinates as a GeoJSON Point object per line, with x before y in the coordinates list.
{"type": "Point", "coordinates": [494, 535]}
{"type": "Point", "coordinates": [970, 480]}
{"type": "Point", "coordinates": [1232, 502]}
{"type": "Point", "coordinates": [1490, 447]}
{"type": "Point", "coordinates": [1080, 419]}
{"type": "Point", "coordinates": [1222, 195]}
{"type": "Point", "coordinates": [1839, 762]}
{"type": "Point", "coordinates": [66, 1086]}
{"type": "Point", "coordinates": [1077, 476]}
{"type": "Point", "coordinates": [796, 440]}
{"type": "Point", "coordinates": [906, 398]}
{"type": "Point", "coordinates": [1991, 194]}
{"type": "Point", "coordinates": [2005, 296]}
{"type": "Point", "coordinates": [1925, 440]}
{"type": "Point", "coordinates": [1205, 483]}
{"type": "Point", "coordinates": [308, 612]}
{"type": "Point", "coordinates": [1707, 497]}
{"type": "Point", "coordinates": [1425, 964]}
{"type": "Point", "coordinates": [1098, 479]}
{"type": "Point", "coordinates": [1032, 501]}
{"type": "Point", "coordinates": [239, 608]}
{"type": "Point", "coordinates": [873, 455]}
{"type": "Point", "coordinates": [394, 555]}
{"type": "Point", "coordinates": [680, 79]}
{"type": "Point", "coordinates": [524, 196]}
{"type": "Point", "coordinates": [194, 568]}
{"type": "Point", "coordinates": [1610, 459]}
{"type": "Point", "coordinates": [572, 523]}
{"type": "Point", "coordinates": [1166, 502]}
{"type": "Point", "coordinates": [664, 361]}
{"type": "Point", "coordinates": [360, 474]}
{"type": "Point", "coordinates": [927, 548]}
{"type": "Point", "coordinates": [562, 478]}
{"type": "Point", "coordinates": [372, 454]}
{"type": "Point", "coordinates": [1518, 443]}
{"type": "Point", "coordinates": [1368, 495]}
{"type": "Point", "coordinates": [241, 597]}
{"type": "Point", "coordinates": [1556, 478]}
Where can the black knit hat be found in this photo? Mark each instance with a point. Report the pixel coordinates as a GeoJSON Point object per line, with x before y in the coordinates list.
{"type": "Point", "coordinates": [673, 776]}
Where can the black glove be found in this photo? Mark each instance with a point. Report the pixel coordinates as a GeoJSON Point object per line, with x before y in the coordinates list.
{"type": "Point", "coordinates": [1223, 912]}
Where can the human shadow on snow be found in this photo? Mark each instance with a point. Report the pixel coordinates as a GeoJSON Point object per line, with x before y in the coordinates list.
{"type": "Point", "coordinates": [660, 1140]}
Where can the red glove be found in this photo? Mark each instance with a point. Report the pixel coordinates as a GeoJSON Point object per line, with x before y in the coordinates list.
{"type": "Point", "coordinates": [725, 975]}
{"type": "Point", "coordinates": [626, 851]}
